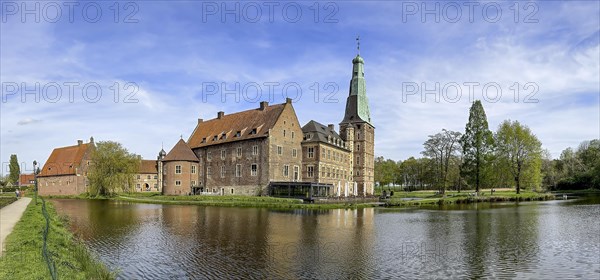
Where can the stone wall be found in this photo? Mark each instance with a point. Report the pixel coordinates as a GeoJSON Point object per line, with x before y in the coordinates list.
{"type": "Point", "coordinates": [141, 180]}
{"type": "Point", "coordinates": [237, 156]}
{"type": "Point", "coordinates": [62, 185]}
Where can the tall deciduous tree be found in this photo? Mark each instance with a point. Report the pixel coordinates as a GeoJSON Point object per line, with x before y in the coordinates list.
{"type": "Point", "coordinates": [14, 170]}
{"type": "Point", "coordinates": [521, 151]}
{"type": "Point", "coordinates": [112, 169]}
{"type": "Point", "coordinates": [440, 148]}
{"type": "Point", "coordinates": [477, 144]}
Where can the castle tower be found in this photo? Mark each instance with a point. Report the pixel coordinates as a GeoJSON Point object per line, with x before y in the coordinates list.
{"type": "Point", "coordinates": [358, 131]}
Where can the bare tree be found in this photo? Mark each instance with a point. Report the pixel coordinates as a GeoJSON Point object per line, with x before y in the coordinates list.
{"type": "Point", "coordinates": [440, 148]}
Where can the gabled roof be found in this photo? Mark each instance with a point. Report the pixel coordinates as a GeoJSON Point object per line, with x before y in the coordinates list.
{"type": "Point", "coordinates": [181, 152]}
{"type": "Point", "coordinates": [26, 179]}
{"type": "Point", "coordinates": [322, 133]}
{"type": "Point", "coordinates": [243, 125]}
{"type": "Point", "coordinates": [148, 167]}
{"type": "Point", "coordinates": [65, 160]}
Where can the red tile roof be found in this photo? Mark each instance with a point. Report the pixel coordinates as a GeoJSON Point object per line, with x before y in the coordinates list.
{"type": "Point", "coordinates": [148, 167]}
{"type": "Point", "coordinates": [181, 152]}
{"type": "Point", "coordinates": [243, 125]}
{"type": "Point", "coordinates": [26, 179]}
{"type": "Point", "coordinates": [65, 160]}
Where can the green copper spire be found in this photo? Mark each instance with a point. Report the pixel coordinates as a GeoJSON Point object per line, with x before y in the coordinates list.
{"type": "Point", "coordinates": [357, 104]}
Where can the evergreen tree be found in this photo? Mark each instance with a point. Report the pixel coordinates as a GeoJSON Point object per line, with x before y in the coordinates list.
{"type": "Point", "coordinates": [477, 144]}
{"type": "Point", "coordinates": [15, 170]}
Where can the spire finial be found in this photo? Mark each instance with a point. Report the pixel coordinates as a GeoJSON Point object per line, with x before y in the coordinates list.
{"type": "Point", "coordinates": [358, 44]}
{"type": "Point", "coordinates": [181, 136]}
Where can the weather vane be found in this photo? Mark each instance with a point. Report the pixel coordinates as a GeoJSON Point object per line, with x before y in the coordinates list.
{"type": "Point", "coordinates": [358, 44]}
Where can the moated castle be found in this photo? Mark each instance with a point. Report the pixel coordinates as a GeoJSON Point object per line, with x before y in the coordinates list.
{"type": "Point", "coordinates": [261, 151]}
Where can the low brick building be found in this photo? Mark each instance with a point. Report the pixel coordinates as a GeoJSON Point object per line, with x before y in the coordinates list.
{"type": "Point", "coordinates": [65, 171]}
{"type": "Point", "coordinates": [146, 180]}
{"type": "Point", "coordinates": [26, 180]}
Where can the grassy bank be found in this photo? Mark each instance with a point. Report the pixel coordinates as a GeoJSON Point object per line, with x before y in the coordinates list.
{"type": "Point", "coordinates": [237, 201]}
{"type": "Point", "coordinates": [399, 199]}
{"type": "Point", "coordinates": [429, 198]}
{"type": "Point", "coordinates": [23, 256]}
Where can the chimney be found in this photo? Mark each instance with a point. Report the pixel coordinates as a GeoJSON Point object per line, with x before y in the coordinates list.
{"type": "Point", "coordinates": [288, 100]}
{"type": "Point", "coordinates": [200, 121]}
{"type": "Point", "coordinates": [331, 127]}
{"type": "Point", "coordinates": [92, 139]}
{"type": "Point", "coordinates": [79, 142]}
{"type": "Point", "coordinates": [220, 114]}
{"type": "Point", "coordinates": [263, 105]}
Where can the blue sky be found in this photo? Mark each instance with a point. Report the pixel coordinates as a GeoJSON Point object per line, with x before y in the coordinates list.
{"type": "Point", "coordinates": [172, 54]}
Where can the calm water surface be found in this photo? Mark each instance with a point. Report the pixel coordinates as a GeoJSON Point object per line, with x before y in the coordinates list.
{"type": "Point", "coordinates": [534, 240]}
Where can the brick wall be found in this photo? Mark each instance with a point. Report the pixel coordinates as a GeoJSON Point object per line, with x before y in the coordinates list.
{"type": "Point", "coordinates": [62, 185]}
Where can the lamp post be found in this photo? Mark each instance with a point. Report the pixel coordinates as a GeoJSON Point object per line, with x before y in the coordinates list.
{"type": "Point", "coordinates": [35, 186]}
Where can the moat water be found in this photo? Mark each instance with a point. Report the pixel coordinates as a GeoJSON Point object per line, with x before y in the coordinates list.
{"type": "Point", "coordinates": [533, 240]}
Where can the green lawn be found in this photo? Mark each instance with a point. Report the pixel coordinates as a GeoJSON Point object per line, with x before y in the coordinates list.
{"type": "Point", "coordinates": [452, 197]}
{"type": "Point", "coordinates": [23, 256]}
{"type": "Point", "coordinates": [236, 201]}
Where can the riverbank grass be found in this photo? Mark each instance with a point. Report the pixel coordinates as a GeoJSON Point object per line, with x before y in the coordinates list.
{"type": "Point", "coordinates": [237, 201]}
{"type": "Point", "coordinates": [452, 197]}
{"type": "Point", "coordinates": [23, 256]}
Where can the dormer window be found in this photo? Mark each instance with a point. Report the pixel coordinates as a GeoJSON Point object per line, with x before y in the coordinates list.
{"type": "Point", "coordinates": [204, 140]}
{"type": "Point", "coordinates": [215, 138]}
{"type": "Point", "coordinates": [253, 131]}
{"type": "Point", "coordinates": [238, 134]}
{"type": "Point", "coordinates": [223, 136]}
